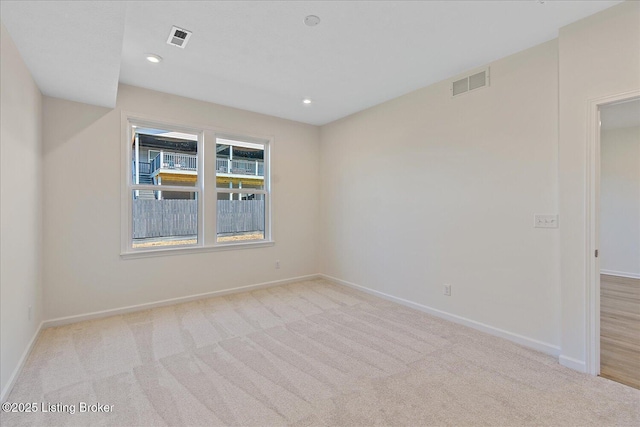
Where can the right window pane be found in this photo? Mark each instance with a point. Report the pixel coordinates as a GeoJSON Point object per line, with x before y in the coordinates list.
{"type": "Point", "coordinates": [240, 217]}
{"type": "Point", "coordinates": [239, 164]}
{"type": "Point", "coordinates": [242, 190]}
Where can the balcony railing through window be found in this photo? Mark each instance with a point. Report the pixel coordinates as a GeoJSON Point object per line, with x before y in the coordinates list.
{"type": "Point", "coordinates": [239, 166]}
{"type": "Point", "coordinates": [169, 160]}
{"type": "Point", "coordinates": [189, 162]}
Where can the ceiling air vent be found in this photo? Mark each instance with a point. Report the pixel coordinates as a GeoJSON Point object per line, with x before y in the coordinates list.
{"type": "Point", "coordinates": [469, 83]}
{"type": "Point", "coordinates": [178, 37]}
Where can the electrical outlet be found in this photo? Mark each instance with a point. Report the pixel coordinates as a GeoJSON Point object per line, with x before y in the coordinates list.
{"type": "Point", "coordinates": [545, 221]}
{"type": "Point", "coordinates": [446, 290]}
{"type": "Point", "coordinates": [277, 264]}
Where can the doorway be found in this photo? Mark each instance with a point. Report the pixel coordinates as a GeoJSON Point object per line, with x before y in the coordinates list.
{"type": "Point", "coordinates": [617, 229]}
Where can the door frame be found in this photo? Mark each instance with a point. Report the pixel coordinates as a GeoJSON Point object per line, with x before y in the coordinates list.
{"type": "Point", "coordinates": [592, 212]}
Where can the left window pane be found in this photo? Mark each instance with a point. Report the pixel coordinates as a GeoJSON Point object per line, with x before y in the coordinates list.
{"type": "Point", "coordinates": [163, 157]}
{"type": "Point", "coordinates": [167, 219]}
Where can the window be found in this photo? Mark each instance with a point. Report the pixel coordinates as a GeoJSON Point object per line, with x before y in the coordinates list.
{"type": "Point", "coordinates": [241, 191]}
{"type": "Point", "coordinates": [165, 187]}
{"type": "Point", "coordinates": [188, 188]}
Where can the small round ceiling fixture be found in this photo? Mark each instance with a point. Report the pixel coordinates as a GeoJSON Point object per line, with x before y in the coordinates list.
{"type": "Point", "coordinates": [311, 20]}
{"type": "Point", "coordinates": [153, 58]}
{"type": "Point", "coordinates": [306, 101]}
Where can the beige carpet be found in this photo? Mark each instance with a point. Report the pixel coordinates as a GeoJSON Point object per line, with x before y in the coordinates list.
{"type": "Point", "coordinates": [309, 353]}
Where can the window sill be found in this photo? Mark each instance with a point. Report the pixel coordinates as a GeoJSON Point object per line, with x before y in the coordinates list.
{"type": "Point", "coordinates": [146, 253]}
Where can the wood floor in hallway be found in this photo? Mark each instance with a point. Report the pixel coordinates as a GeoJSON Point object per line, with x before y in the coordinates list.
{"type": "Point", "coordinates": [620, 329]}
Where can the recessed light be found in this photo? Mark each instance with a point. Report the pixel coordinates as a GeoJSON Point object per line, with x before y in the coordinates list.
{"type": "Point", "coordinates": [306, 101]}
{"type": "Point", "coordinates": [311, 20]}
{"type": "Point", "coordinates": [151, 57]}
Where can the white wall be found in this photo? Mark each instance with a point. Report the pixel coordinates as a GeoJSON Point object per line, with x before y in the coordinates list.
{"type": "Point", "coordinates": [20, 209]}
{"type": "Point", "coordinates": [620, 201]}
{"type": "Point", "coordinates": [83, 270]}
{"type": "Point", "coordinates": [599, 56]}
{"type": "Point", "coordinates": [425, 190]}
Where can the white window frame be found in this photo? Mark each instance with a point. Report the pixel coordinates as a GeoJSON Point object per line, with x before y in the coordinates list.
{"type": "Point", "coordinates": [206, 189]}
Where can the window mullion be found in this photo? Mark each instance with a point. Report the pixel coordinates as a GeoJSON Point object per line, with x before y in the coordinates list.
{"type": "Point", "coordinates": [244, 190]}
{"type": "Point", "coordinates": [165, 188]}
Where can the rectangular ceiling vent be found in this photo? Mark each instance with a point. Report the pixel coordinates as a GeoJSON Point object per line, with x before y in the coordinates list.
{"type": "Point", "coordinates": [470, 83]}
{"type": "Point", "coordinates": [178, 37]}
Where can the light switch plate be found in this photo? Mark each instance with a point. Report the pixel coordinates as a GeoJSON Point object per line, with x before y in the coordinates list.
{"type": "Point", "coordinates": [545, 221]}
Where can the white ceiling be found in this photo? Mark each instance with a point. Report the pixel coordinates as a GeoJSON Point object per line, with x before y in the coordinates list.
{"type": "Point", "coordinates": [72, 48]}
{"type": "Point", "coordinates": [259, 56]}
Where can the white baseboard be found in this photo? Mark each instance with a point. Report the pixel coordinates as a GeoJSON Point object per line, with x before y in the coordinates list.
{"type": "Point", "coordinates": [575, 364]}
{"type": "Point", "coordinates": [519, 339]}
{"type": "Point", "coordinates": [18, 369]}
{"type": "Point", "coordinates": [620, 274]}
{"type": "Point", "coordinates": [146, 306]}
